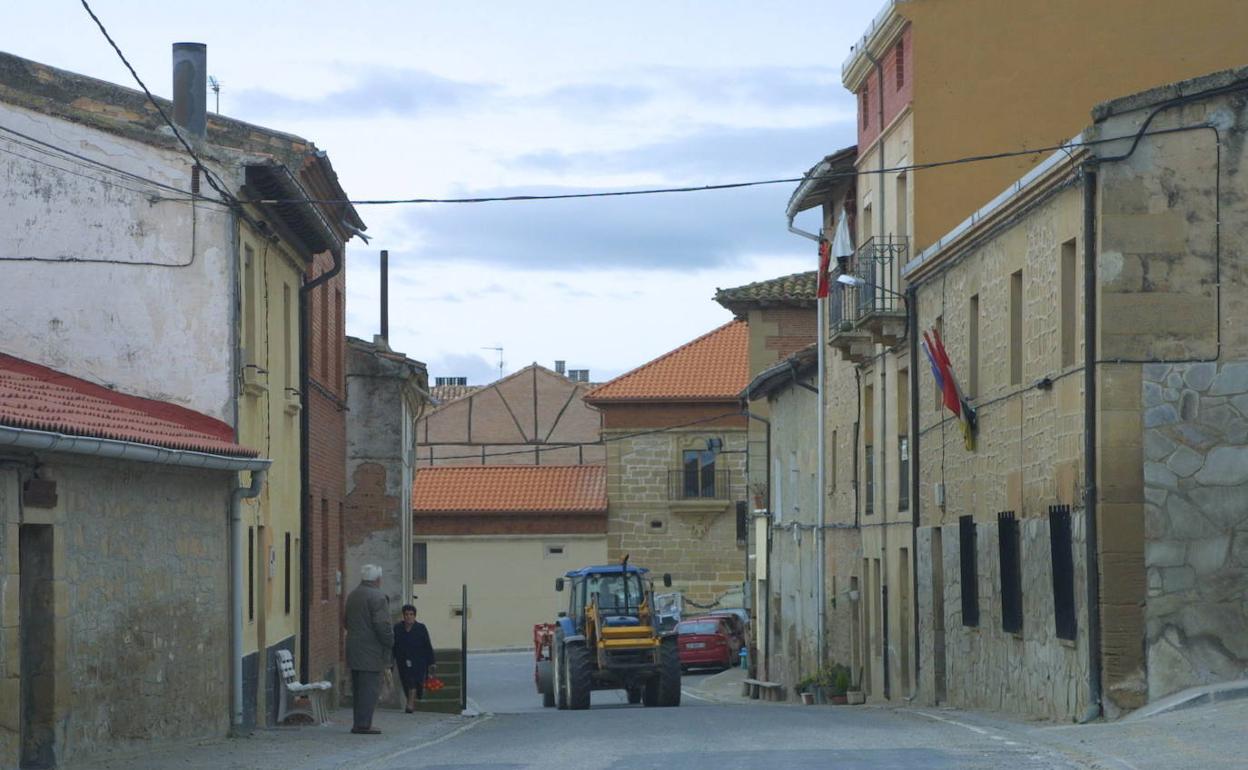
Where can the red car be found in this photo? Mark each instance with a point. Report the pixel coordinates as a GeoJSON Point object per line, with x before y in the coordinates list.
{"type": "Point", "coordinates": [705, 641]}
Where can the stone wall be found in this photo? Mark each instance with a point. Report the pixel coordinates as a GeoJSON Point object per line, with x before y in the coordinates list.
{"type": "Point", "coordinates": [695, 540]}
{"type": "Point", "coordinates": [140, 649]}
{"type": "Point", "coordinates": [1031, 672]}
{"type": "Point", "coordinates": [1196, 523]}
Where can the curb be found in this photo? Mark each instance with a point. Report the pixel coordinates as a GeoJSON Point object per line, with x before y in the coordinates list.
{"type": "Point", "coordinates": [1191, 698]}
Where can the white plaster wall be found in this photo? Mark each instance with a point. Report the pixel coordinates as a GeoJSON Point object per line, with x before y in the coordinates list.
{"type": "Point", "coordinates": [154, 330]}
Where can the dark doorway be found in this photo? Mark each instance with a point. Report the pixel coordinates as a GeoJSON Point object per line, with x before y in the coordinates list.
{"type": "Point", "coordinates": [37, 639]}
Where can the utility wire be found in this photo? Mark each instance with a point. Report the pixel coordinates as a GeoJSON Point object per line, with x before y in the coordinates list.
{"type": "Point", "coordinates": [208, 175]}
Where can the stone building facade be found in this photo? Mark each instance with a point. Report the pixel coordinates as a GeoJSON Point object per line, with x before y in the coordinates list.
{"type": "Point", "coordinates": [386, 394]}
{"type": "Point", "coordinates": [115, 569]}
{"type": "Point", "coordinates": [676, 439]}
{"type": "Point", "coordinates": [1117, 577]}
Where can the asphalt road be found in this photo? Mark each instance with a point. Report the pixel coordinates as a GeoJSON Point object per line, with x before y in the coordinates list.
{"type": "Point", "coordinates": [516, 733]}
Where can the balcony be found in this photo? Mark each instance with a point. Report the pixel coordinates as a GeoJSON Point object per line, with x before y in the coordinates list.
{"type": "Point", "coordinates": [854, 344]}
{"type": "Point", "coordinates": [880, 308]}
{"type": "Point", "coordinates": [694, 484]}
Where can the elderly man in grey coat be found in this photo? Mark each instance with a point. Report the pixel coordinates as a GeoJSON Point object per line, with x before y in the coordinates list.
{"type": "Point", "coordinates": [370, 638]}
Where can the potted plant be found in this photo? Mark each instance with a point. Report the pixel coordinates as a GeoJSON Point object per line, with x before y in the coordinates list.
{"type": "Point", "coordinates": [806, 689]}
{"type": "Point", "coordinates": [841, 686]}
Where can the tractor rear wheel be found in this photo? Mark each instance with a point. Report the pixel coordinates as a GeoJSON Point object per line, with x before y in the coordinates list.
{"type": "Point", "coordinates": [546, 682]}
{"type": "Point", "coordinates": [580, 678]}
{"type": "Point", "coordinates": [668, 679]}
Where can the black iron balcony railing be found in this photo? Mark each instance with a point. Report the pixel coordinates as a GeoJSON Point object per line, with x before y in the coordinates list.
{"type": "Point", "coordinates": [878, 263]}
{"type": "Point", "coordinates": [698, 484]}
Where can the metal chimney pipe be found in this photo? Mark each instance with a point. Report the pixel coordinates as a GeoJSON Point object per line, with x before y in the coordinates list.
{"type": "Point", "coordinates": [385, 295]}
{"type": "Point", "coordinates": [190, 87]}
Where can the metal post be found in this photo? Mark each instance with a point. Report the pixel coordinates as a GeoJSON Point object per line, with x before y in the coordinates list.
{"type": "Point", "coordinates": [385, 295]}
{"type": "Point", "coordinates": [463, 651]}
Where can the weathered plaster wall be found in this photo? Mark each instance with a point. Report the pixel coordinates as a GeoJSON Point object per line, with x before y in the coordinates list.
{"type": "Point", "coordinates": [141, 592]}
{"type": "Point", "coordinates": [170, 318]}
{"type": "Point", "coordinates": [511, 585]}
{"type": "Point", "coordinates": [695, 540]}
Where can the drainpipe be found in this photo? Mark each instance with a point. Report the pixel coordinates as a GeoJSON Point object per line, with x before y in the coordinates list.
{"type": "Point", "coordinates": [766, 598]}
{"type": "Point", "coordinates": [1090, 492]}
{"type": "Point", "coordinates": [912, 320]}
{"type": "Point", "coordinates": [237, 568]}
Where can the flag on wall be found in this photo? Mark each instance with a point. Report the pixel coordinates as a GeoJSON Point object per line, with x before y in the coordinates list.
{"type": "Point", "coordinates": [951, 395]}
{"type": "Point", "coordinates": [825, 259]}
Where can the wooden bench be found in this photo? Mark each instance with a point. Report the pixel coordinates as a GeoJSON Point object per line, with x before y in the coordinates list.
{"type": "Point", "coordinates": [758, 689]}
{"type": "Point", "coordinates": [316, 693]}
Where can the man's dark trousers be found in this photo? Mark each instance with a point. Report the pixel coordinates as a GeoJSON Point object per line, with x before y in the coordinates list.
{"type": "Point", "coordinates": [365, 690]}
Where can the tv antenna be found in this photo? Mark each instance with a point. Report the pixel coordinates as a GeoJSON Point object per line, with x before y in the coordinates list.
{"type": "Point", "coordinates": [215, 85]}
{"type": "Point", "coordinates": [498, 350]}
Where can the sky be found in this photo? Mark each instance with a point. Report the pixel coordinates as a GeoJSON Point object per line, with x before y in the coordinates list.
{"type": "Point", "coordinates": [494, 97]}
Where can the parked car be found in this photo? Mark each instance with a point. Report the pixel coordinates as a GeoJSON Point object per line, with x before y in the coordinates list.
{"type": "Point", "coordinates": [738, 622]}
{"type": "Point", "coordinates": [706, 641]}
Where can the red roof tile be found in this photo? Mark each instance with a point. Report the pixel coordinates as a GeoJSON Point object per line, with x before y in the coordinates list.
{"type": "Point", "coordinates": [511, 488]}
{"type": "Point", "coordinates": [714, 367]}
{"type": "Point", "coordinates": [35, 397]}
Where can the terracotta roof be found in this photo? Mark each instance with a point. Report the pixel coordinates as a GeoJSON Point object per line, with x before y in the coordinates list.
{"type": "Point", "coordinates": [714, 367]}
{"type": "Point", "coordinates": [35, 397]}
{"type": "Point", "coordinates": [446, 393]}
{"type": "Point", "coordinates": [796, 289]}
{"type": "Point", "coordinates": [511, 489]}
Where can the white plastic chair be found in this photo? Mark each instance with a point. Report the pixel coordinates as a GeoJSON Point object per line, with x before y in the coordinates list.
{"type": "Point", "coordinates": [316, 693]}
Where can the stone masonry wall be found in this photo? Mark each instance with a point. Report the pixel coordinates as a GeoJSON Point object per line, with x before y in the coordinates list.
{"type": "Point", "coordinates": [694, 540]}
{"type": "Point", "coordinates": [1196, 523]}
{"type": "Point", "coordinates": [141, 586]}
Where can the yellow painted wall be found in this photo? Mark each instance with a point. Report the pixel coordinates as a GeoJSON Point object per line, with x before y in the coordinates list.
{"type": "Point", "coordinates": [511, 585]}
{"type": "Point", "coordinates": [992, 76]}
{"type": "Point", "coordinates": [269, 422]}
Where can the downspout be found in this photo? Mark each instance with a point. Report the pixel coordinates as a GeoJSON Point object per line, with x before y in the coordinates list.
{"type": "Point", "coordinates": [305, 463]}
{"type": "Point", "coordinates": [1090, 492]}
{"type": "Point", "coordinates": [912, 320]}
{"type": "Point", "coordinates": [237, 568]}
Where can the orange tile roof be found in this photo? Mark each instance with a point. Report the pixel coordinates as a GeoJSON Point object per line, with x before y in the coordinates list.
{"type": "Point", "coordinates": [511, 489]}
{"type": "Point", "coordinates": [714, 367]}
{"type": "Point", "coordinates": [35, 397]}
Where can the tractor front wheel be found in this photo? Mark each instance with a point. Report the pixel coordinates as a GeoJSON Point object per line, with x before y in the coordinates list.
{"type": "Point", "coordinates": [546, 682]}
{"type": "Point", "coordinates": [580, 678]}
{"type": "Point", "coordinates": [668, 680]}
{"type": "Point", "coordinates": [559, 666]}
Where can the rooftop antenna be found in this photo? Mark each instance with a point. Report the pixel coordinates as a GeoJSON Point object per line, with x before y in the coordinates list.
{"type": "Point", "coordinates": [498, 350]}
{"type": "Point", "coordinates": [215, 85]}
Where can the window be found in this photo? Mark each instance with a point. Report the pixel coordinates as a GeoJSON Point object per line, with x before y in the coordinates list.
{"type": "Point", "coordinates": [420, 563]}
{"type": "Point", "coordinates": [286, 575]}
{"type": "Point", "coordinates": [903, 439]}
{"type": "Point", "coordinates": [832, 457]}
{"type": "Point", "coordinates": [903, 208]}
{"type": "Point", "coordinates": [868, 224]}
{"type": "Point", "coordinates": [777, 491]}
{"type": "Point", "coordinates": [249, 304]}
{"type": "Point", "coordinates": [340, 333]}
{"type": "Point", "coordinates": [970, 570]}
{"type": "Point", "coordinates": [1069, 289]}
{"type": "Point", "coordinates": [658, 525]}
{"type": "Point", "coordinates": [554, 551]}
{"type": "Point", "coordinates": [743, 529]}
{"type": "Point", "coordinates": [1011, 573]}
{"type": "Point", "coordinates": [864, 110]}
{"type": "Point", "coordinates": [900, 58]}
{"type": "Point", "coordinates": [1016, 328]}
{"type": "Point", "coordinates": [325, 325]}
{"type": "Point", "coordinates": [1063, 572]}
{"type": "Point", "coordinates": [869, 479]}
{"type": "Point", "coordinates": [868, 451]}
{"type": "Point", "coordinates": [251, 573]}
{"type": "Point", "coordinates": [699, 473]}
{"type": "Point", "coordinates": [972, 347]}
{"type": "Point", "coordinates": [288, 341]}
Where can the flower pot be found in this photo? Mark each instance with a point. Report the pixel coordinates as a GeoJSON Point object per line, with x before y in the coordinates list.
{"type": "Point", "coordinates": [808, 698]}
{"type": "Point", "coordinates": [839, 700]}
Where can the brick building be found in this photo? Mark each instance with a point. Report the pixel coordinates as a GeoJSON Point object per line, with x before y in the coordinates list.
{"type": "Point", "coordinates": [676, 440]}
{"type": "Point", "coordinates": [534, 416]}
{"type": "Point", "coordinates": [506, 532]}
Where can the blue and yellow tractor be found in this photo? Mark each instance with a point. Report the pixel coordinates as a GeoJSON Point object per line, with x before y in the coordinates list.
{"type": "Point", "coordinates": [609, 639]}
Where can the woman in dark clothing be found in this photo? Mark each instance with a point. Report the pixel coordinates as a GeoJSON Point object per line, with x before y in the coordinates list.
{"type": "Point", "coordinates": [413, 654]}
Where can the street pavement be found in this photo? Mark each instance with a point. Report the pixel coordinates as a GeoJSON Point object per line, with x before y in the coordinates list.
{"type": "Point", "coordinates": [715, 728]}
